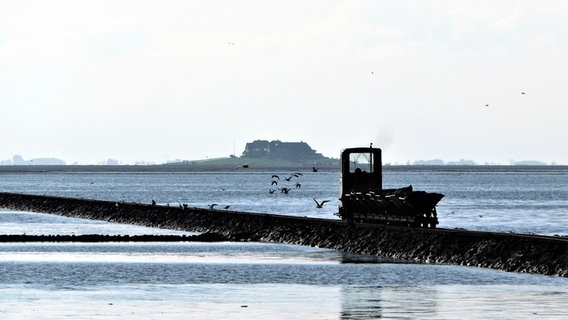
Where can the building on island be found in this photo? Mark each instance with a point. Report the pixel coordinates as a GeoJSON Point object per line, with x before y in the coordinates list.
{"type": "Point", "coordinates": [276, 149]}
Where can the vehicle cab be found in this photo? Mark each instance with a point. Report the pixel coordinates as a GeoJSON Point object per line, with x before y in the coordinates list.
{"type": "Point", "coordinates": [361, 170]}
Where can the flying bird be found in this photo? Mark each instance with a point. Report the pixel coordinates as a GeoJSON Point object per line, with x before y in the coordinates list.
{"type": "Point", "coordinates": [285, 190]}
{"type": "Point", "coordinates": [275, 176]}
{"type": "Point", "coordinates": [298, 185]}
{"type": "Point", "coordinates": [314, 169]}
{"type": "Point", "coordinates": [271, 191]}
{"type": "Point", "coordinates": [211, 206]}
{"type": "Point", "coordinates": [274, 182]}
{"type": "Point", "coordinates": [320, 204]}
{"type": "Point", "coordinates": [245, 165]}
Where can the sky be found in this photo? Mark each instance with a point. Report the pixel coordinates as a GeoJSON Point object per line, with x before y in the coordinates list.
{"type": "Point", "coordinates": [154, 81]}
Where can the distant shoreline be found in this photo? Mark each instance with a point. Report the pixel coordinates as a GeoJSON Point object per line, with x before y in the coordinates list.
{"type": "Point", "coordinates": [154, 168]}
{"type": "Point", "coordinates": [253, 168]}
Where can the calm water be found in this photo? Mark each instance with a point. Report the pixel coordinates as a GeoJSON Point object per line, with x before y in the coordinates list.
{"type": "Point", "coordinates": [257, 280]}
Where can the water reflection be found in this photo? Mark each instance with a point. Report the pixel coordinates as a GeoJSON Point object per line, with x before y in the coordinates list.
{"type": "Point", "coordinates": [373, 302]}
{"type": "Point", "coordinates": [453, 302]}
{"type": "Point", "coordinates": [361, 303]}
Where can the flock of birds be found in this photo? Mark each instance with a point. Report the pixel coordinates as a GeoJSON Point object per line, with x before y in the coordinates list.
{"type": "Point", "coordinates": [275, 180]}
{"type": "Point", "coordinates": [285, 190]}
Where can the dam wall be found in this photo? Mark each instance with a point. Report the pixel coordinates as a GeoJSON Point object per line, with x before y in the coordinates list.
{"type": "Point", "coordinates": [503, 251]}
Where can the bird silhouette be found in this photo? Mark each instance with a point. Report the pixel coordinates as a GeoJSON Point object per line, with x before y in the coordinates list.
{"type": "Point", "coordinates": [275, 176]}
{"type": "Point", "coordinates": [274, 182]}
{"type": "Point", "coordinates": [226, 207]}
{"type": "Point", "coordinates": [314, 169]}
{"type": "Point", "coordinates": [211, 206]}
{"type": "Point", "coordinates": [320, 204]}
{"type": "Point", "coordinates": [289, 178]}
{"type": "Point", "coordinates": [298, 185]}
{"type": "Point", "coordinates": [153, 202]}
{"type": "Point", "coordinates": [271, 191]}
{"type": "Point", "coordinates": [285, 190]}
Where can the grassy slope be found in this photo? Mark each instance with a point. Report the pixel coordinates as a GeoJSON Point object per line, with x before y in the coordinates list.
{"type": "Point", "coordinates": [217, 164]}
{"type": "Point", "coordinates": [259, 163]}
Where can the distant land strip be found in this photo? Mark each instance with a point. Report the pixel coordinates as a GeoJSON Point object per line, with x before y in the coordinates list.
{"type": "Point", "coordinates": [504, 251]}
{"type": "Point", "coordinates": [178, 167]}
{"type": "Point", "coordinates": [261, 167]}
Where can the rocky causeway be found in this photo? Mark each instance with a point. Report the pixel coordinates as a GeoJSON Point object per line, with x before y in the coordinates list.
{"type": "Point", "coordinates": [504, 251]}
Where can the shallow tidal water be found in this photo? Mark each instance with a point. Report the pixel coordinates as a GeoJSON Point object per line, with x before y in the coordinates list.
{"type": "Point", "coordinates": [277, 281]}
{"type": "Point", "coordinates": [256, 280]}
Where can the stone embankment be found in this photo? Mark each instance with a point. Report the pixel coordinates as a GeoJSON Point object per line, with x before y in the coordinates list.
{"type": "Point", "coordinates": [504, 251]}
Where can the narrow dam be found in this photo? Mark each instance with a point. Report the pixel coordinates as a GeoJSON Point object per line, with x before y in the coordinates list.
{"type": "Point", "coordinates": [504, 251]}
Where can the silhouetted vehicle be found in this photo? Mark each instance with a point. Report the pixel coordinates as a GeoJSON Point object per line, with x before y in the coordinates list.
{"type": "Point", "coordinates": [362, 198]}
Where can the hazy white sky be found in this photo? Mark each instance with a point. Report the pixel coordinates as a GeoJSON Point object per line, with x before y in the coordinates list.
{"type": "Point", "coordinates": [153, 81]}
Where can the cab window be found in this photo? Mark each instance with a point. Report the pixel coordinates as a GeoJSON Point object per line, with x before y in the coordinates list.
{"type": "Point", "coordinates": [361, 163]}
